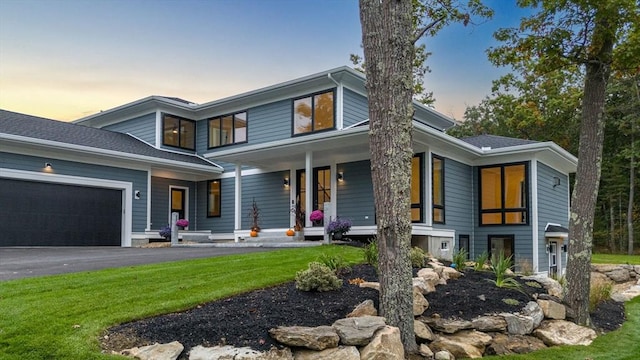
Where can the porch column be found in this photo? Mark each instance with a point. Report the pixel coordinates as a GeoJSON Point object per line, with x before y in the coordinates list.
{"type": "Point", "coordinates": [334, 190]}
{"type": "Point", "coordinates": [308, 196]}
{"type": "Point", "coordinates": [238, 203]}
{"type": "Point", "coordinates": [534, 217]}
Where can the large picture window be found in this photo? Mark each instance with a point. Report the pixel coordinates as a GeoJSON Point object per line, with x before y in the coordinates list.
{"type": "Point", "coordinates": [503, 195]}
{"type": "Point", "coordinates": [214, 199]}
{"type": "Point", "coordinates": [314, 113]}
{"type": "Point", "coordinates": [228, 129]}
{"type": "Point", "coordinates": [437, 182]}
{"type": "Point", "coordinates": [178, 132]}
{"type": "Point", "coordinates": [417, 170]}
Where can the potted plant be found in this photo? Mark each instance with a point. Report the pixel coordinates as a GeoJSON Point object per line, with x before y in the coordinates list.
{"type": "Point", "coordinates": [316, 217]}
{"type": "Point", "coordinates": [166, 232]}
{"type": "Point", "coordinates": [339, 227]}
{"type": "Point", "coordinates": [254, 215]}
{"type": "Point", "coordinates": [182, 223]}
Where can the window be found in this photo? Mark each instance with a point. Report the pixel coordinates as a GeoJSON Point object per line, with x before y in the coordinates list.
{"type": "Point", "coordinates": [228, 129]}
{"type": "Point", "coordinates": [314, 113]}
{"type": "Point", "coordinates": [178, 132]}
{"type": "Point", "coordinates": [502, 245]}
{"type": "Point", "coordinates": [463, 244]}
{"type": "Point", "coordinates": [437, 179]}
{"type": "Point", "coordinates": [416, 188]}
{"type": "Point", "coordinates": [214, 199]}
{"type": "Point", "coordinates": [503, 195]}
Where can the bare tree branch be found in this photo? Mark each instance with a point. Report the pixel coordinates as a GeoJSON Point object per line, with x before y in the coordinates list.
{"type": "Point", "coordinates": [426, 28]}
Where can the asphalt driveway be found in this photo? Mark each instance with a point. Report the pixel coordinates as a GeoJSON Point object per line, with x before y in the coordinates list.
{"type": "Point", "coordinates": [16, 263]}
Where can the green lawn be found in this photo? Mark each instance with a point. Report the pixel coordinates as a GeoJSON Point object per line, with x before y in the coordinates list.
{"type": "Point", "coordinates": [62, 316]}
{"type": "Point", "coordinates": [615, 259]}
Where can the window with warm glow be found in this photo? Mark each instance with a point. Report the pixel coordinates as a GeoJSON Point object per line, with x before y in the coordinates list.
{"type": "Point", "coordinates": [214, 200]}
{"type": "Point", "coordinates": [416, 188]}
{"type": "Point", "coordinates": [178, 132]}
{"type": "Point", "coordinates": [228, 129]}
{"type": "Point", "coordinates": [314, 113]}
{"type": "Point", "coordinates": [437, 178]}
{"type": "Point", "coordinates": [503, 195]}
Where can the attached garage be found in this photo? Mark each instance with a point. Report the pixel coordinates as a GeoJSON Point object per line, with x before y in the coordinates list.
{"type": "Point", "coordinates": [38, 213]}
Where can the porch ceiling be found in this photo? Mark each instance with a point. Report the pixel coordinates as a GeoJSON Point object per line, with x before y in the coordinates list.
{"type": "Point", "coordinates": [347, 145]}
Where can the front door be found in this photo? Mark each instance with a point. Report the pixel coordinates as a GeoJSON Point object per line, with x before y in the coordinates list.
{"type": "Point", "coordinates": [178, 203]}
{"type": "Point", "coordinates": [553, 258]}
{"type": "Point", "coordinates": [321, 191]}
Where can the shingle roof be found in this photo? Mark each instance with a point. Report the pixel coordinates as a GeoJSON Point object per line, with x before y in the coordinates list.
{"type": "Point", "coordinates": [495, 141]}
{"type": "Point", "coordinates": [45, 129]}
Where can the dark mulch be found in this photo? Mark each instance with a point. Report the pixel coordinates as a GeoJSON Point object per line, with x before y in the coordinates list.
{"type": "Point", "coordinates": [244, 320]}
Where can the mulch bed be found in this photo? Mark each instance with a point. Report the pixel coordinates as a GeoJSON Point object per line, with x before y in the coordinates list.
{"type": "Point", "coordinates": [244, 320]}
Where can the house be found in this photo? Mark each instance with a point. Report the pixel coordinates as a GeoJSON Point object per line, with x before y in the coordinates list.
{"type": "Point", "coordinates": [114, 178]}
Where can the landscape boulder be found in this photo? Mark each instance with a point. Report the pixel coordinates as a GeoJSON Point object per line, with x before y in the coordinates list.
{"type": "Point", "coordinates": [340, 352]}
{"type": "Point", "coordinates": [533, 310]}
{"type": "Point", "coordinates": [466, 344]}
{"type": "Point", "coordinates": [228, 352]}
{"type": "Point", "coordinates": [314, 338]}
{"type": "Point", "coordinates": [358, 331]}
{"type": "Point", "coordinates": [422, 331]}
{"type": "Point", "coordinates": [561, 332]}
{"type": "Point", "coordinates": [552, 309]}
{"type": "Point", "coordinates": [448, 326]}
{"type": "Point", "coordinates": [503, 344]}
{"type": "Point", "coordinates": [518, 324]}
{"type": "Point", "coordinates": [552, 286]}
{"type": "Point", "coordinates": [420, 304]}
{"type": "Point", "coordinates": [385, 345]}
{"type": "Point", "coordinates": [365, 308]}
{"type": "Point", "coordinates": [489, 323]}
{"type": "Point", "coordinates": [169, 351]}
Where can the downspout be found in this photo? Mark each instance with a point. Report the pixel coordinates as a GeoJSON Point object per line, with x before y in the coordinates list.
{"type": "Point", "coordinates": [339, 102]}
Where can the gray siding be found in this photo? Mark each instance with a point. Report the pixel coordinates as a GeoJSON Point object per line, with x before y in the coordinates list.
{"type": "Point", "coordinates": [458, 204]}
{"type": "Point", "coordinates": [553, 207]}
{"type": "Point", "coordinates": [143, 127]}
{"type": "Point", "coordinates": [271, 197]}
{"type": "Point", "coordinates": [224, 223]}
{"type": "Point", "coordinates": [355, 193]}
{"type": "Point", "coordinates": [355, 108]}
{"type": "Point", "coordinates": [61, 167]}
{"type": "Point", "coordinates": [160, 202]}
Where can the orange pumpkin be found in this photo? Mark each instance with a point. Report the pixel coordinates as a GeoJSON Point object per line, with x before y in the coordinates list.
{"type": "Point", "coordinates": [290, 232]}
{"type": "Point", "coordinates": [253, 233]}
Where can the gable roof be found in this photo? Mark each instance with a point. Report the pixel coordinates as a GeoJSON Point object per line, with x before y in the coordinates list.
{"type": "Point", "coordinates": [24, 127]}
{"type": "Point", "coordinates": [495, 141]}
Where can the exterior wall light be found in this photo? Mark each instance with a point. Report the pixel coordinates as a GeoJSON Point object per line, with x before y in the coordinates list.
{"type": "Point", "coordinates": [47, 166]}
{"type": "Point", "coordinates": [286, 182]}
{"type": "Point", "coordinates": [340, 176]}
{"type": "Point", "coordinates": [556, 181]}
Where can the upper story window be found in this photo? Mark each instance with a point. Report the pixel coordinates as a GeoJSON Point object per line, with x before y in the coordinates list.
{"type": "Point", "coordinates": [417, 182]}
{"type": "Point", "coordinates": [437, 181]}
{"type": "Point", "coordinates": [228, 129]}
{"type": "Point", "coordinates": [314, 113]}
{"type": "Point", "coordinates": [503, 195]}
{"type": "Point", "coordinates": [178, 132]}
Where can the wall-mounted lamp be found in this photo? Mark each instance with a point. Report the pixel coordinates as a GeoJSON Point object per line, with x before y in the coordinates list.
{"type": "Point", "coordinates": [137, 194]}
{"type": "Point", "coordinates": [47, 166]}
{"type": "Point", "coordinates": [556, 181]}
{"type": "Point", "coordinates": [286, 182]}
{"type": "Point", "coordinates": [340, 176]}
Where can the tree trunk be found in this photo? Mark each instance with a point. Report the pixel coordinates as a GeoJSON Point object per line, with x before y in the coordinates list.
{"type": "Point", "coordinates": [389, 54]}
{"type": "Point", "coordinates": [632, 176]}
{"type": "Point", "coordinates": [612, 227]}
{"type": "Point", "coordinates": [585, 192]}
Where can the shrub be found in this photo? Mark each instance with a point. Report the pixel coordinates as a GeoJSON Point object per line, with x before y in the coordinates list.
{"type": "Point", "coordinates": [335, 263]}
{"type": "Point", "coordinates": [534, 284]}
{"type": "Point", "coordinates": [510, 301]}
{"type": "Point", "coordinates": [481, 260]}
{"type": "Point", "coordinates": [339, 226]}
{"type": "Point", "coordinates": [317, 277]}
{"type": "Point", "coordinates": [525, 267]}
{"type": "Point", "coordinates": [600, 292]}
{"type": "Point", "coordinates": [460, 258]}
{"type": "Point", "coordinates": [417, 257]}
{"type": "Point", "coordinates": [370, 253]}
{"type": "Point", "coordinates": [499, 266]}
{"type": "Point", "coordinates": [166, 232]}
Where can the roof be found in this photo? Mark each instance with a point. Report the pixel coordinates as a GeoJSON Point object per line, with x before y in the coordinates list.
{"type": "Point", "coordinates": [495, 141]}
{"type": "Point", "coordinates": [34, 127]}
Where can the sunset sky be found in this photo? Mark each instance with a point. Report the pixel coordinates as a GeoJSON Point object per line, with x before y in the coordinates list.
{"type": "Point", "coordinates": [66, 59]}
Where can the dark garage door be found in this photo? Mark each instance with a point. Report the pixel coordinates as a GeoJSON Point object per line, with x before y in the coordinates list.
{"type": "Point", "coordinates": [46, 214]}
